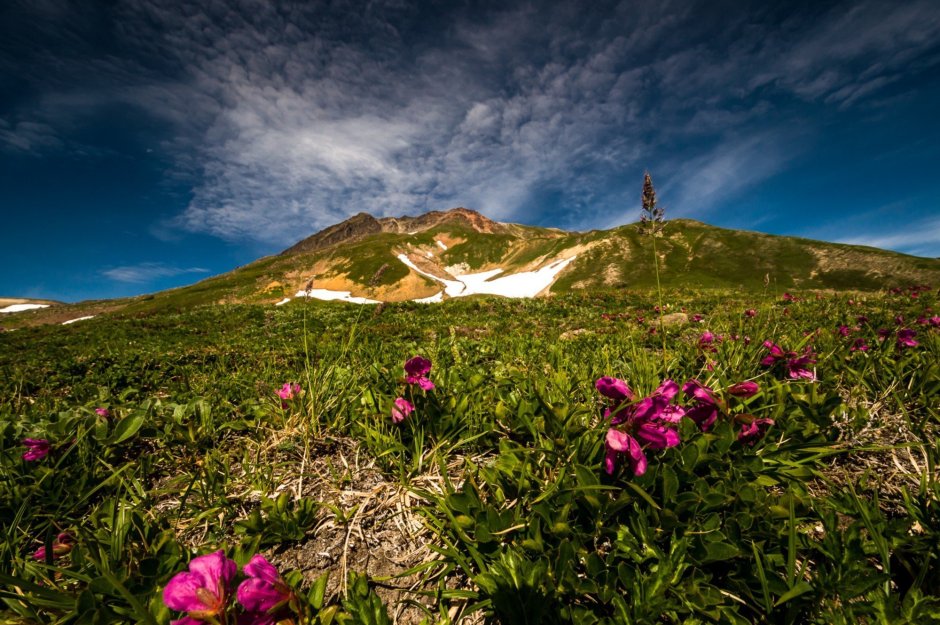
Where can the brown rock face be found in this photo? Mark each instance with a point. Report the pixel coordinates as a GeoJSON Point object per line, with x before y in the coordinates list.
{"type": "Point", "coordinates": [356, 227]}
{"type": "Point", "coordinates": [363, 224]}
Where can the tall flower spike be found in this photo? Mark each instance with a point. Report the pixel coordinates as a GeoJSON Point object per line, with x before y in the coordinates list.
{"type": "Point", "coordinates": [652, 216]}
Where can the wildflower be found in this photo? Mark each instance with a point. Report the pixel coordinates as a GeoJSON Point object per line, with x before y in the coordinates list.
{"type": "Point", "coordinates": [705, 412]}
{"type": "Point", "coordinates": [788, 298]}
{"type": "Point", "coordinates": [62, 545]}
{"type": "Point", "coordinates": [752, 432]}
{"type": "Point", "coordinates": [37, 449]}
{"type": "Point", "coordinates": [793, 364]}
{"type": "Point", "coordinates": [706, 340]}
{"type": "Point", "coordinates": [613, 388]}
{"type": "Point", "coordinates": [844, 330]}
{"type": "Point", "coordinates": [401, 409]}
{"type": "Point", "coordinates": [696, 318]}
{"type": "Point", "coordinates": [747, 388]}
{"type": "Point", "coordinates": [859, 345]}
{"type": "Point", "coordinates": [645, 424]}
{"type": "Point", "coordinates": [899, 319]}
{"type": "Point", "coordinates": [883, 333]}
{"type": "Point", "coordinates": [264, 593]}
{"type": "Point", "coordinates": [934, 321]}
{"type": "Point", "coordinates": [417, 370]}
{"type": "Point", "coordinates": [658, 407]}
{"type": "Point", "coordinates": [906, 338]}
{"type": "Point", "coordinates": [796, 367]}
{"type": "Point", "coordinates": [750, 312]}
{"type": "Point", "coordinates": [204, 590]}
{"type": "Point", "coordinates": [102, 412]}
{"type": "Point", "coordinates": [862, 319]}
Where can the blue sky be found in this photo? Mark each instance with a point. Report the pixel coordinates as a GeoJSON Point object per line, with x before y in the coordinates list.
{"type": "Point", "coordinates": [146, 144]}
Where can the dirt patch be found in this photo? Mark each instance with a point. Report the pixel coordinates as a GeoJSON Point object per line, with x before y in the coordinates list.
{"type": "Point", "coordinates": [368, 524]}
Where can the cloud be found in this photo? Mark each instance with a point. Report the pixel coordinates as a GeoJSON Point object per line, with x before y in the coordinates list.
{"type": "Point", "coordinates": [148, 272]}
{"type": "Point", "coordinates": [285, 118]}
{"type": "Point", "coordinates": [921, 238]}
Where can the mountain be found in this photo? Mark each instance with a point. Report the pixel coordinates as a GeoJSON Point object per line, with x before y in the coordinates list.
{"type": "Point", "coordinates": [444, 254]}
{"type": "Point", "coordinates": [459, 252]}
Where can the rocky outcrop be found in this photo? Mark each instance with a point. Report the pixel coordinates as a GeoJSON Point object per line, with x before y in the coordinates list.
{"type": "Point", "coordinates": [354, 228]}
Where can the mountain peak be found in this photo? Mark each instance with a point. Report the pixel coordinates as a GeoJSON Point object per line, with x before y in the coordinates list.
{"type": "Point", "coordinates": [363, 224]}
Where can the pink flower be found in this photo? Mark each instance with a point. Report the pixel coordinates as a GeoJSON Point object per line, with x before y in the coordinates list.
{"type": "Point", "coordinates": [752, 432]}
{"type": "Point", "coordinates": [643, 425]}
{"type": "Point", "coordinates": [401, 409]}
{"type": "Point", "coordinates": [102, 412]}
{"type": "Point", "coordinates": [288, 391]}
{"type": "Point", "coordinates": [859, 345]}
{"type": "Point", "coordinates": [60, 546]}
{"type": "Point", "coordinates": [264, 593]}
{"type": "Point", "coordinates": [204, 590]}
{"type": "Point", "coordinates": [750, 312]}
{"type": "Point", "coordinates": [844, 330]}
{"type": "Point", "coordinates": [748, 388]}
{"type": "Point", "coordinates": [705, 341]}
{"type": "Point", "coordinates": [417, 370]}
{"type": "Point", "coordinates": [613, 388]}
{"type": "Point", "coordinates": [796, 367]}
{"type": "Point", "coordinates": [934, 321]}
{"type": "Point", "coordinates": [37, 449]}
{"type": "Point", "coordinates": [696, 318]}
{"type": "Point", "coordinates": [905, 338]}
{"type": "Point", "coordinates": [705, 412]}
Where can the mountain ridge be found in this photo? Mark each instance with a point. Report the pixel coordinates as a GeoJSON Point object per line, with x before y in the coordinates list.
{"type": "Point", "coordinates": [460, 252]}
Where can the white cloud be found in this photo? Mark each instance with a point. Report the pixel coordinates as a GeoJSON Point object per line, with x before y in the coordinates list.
{"type": "Point", "coordinates": [148, 272]}
{"type": "Point", "coordinates": [920, 238]}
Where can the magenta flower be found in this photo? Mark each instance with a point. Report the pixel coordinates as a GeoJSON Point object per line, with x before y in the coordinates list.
{"type": "Point", "coordinates": [696, 318]}
{"type": "Point", "coordinates": [613, 388]}
{"type": "Point", "coordinates": [706, 340]}
{"type": "Point", "coordinates": [645, 424]}
{"type": "Point", "coordinates": [417, 370]}
{"type": "Point", "coordinates": [906, 338]}
{"type": "Point", "coordinates": [62, 545]}
{"type": "Point", "coordinates": [934, 321]}
{"type": "Point", "coordinates": [705, 412]}
{"type": "Point", "coordinates": [288, 391]}
{"type": "Point", "coordinates": [264, 593]}
{"type": "Point", "coordinates": [859, 345]}
{"type": "Point", "coordinates": [862, 319]}
{"type": "Point", "coordinates": [37, 449]}
{"type": "Point", "coordinates": [748, 388]}
{"type": "Point", "coordinates": [883, 333]}
{"type": "Point", "coordinates": [844, 330]}
{"type": "Point", "coordinates": [752, 432]}
{"type": "Point", "coordinates": [102, 412]}
{"type": "Point", "coordinates": [794, 365]}
{"type": "Point", "coordinates": [401, 409]}
{"type": "Point", "coordinates": [750, 312]}
{"type": "Point", "coordinates": [204, 590]}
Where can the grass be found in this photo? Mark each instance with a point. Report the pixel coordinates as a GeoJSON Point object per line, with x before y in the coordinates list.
{"type": "Point", "coordinates": [489, 502]}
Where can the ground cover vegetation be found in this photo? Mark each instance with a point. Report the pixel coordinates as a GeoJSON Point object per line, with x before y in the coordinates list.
{"type": "Point", "coordinates": [699, 456]}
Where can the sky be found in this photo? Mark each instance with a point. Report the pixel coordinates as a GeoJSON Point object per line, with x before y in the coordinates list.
{"type": "Point", "coordinates": [146, 144]}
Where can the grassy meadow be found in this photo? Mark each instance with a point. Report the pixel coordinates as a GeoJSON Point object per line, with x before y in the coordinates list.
{"type": "Point", "coordinates": [152, 439]}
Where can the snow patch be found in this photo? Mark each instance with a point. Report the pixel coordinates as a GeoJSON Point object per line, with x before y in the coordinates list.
{"type": "Point", "coordinates": [65, 323]}
{"type": "Point", "coordinates": [328, 295]}
{"type": "Point", "coordinates": [283, 301]}
{"type": "Point", "coordinates": [12, 308]}
{"type": "Point", "coordinates": [442, 246]}
{"type": "Point", "coordinates": [439, 297]}
{"type": "Point", "coordinates": [525, 284]}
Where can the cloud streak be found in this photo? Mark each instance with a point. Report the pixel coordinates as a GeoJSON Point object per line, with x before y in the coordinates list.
{"type": "Point", "coordinates": [288, 118]}
{"type": "Point", "coordinates": [143, 273]}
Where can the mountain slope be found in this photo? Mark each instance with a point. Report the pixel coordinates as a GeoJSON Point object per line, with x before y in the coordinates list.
{"type": "Point", "coordinates": [444, 254]}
